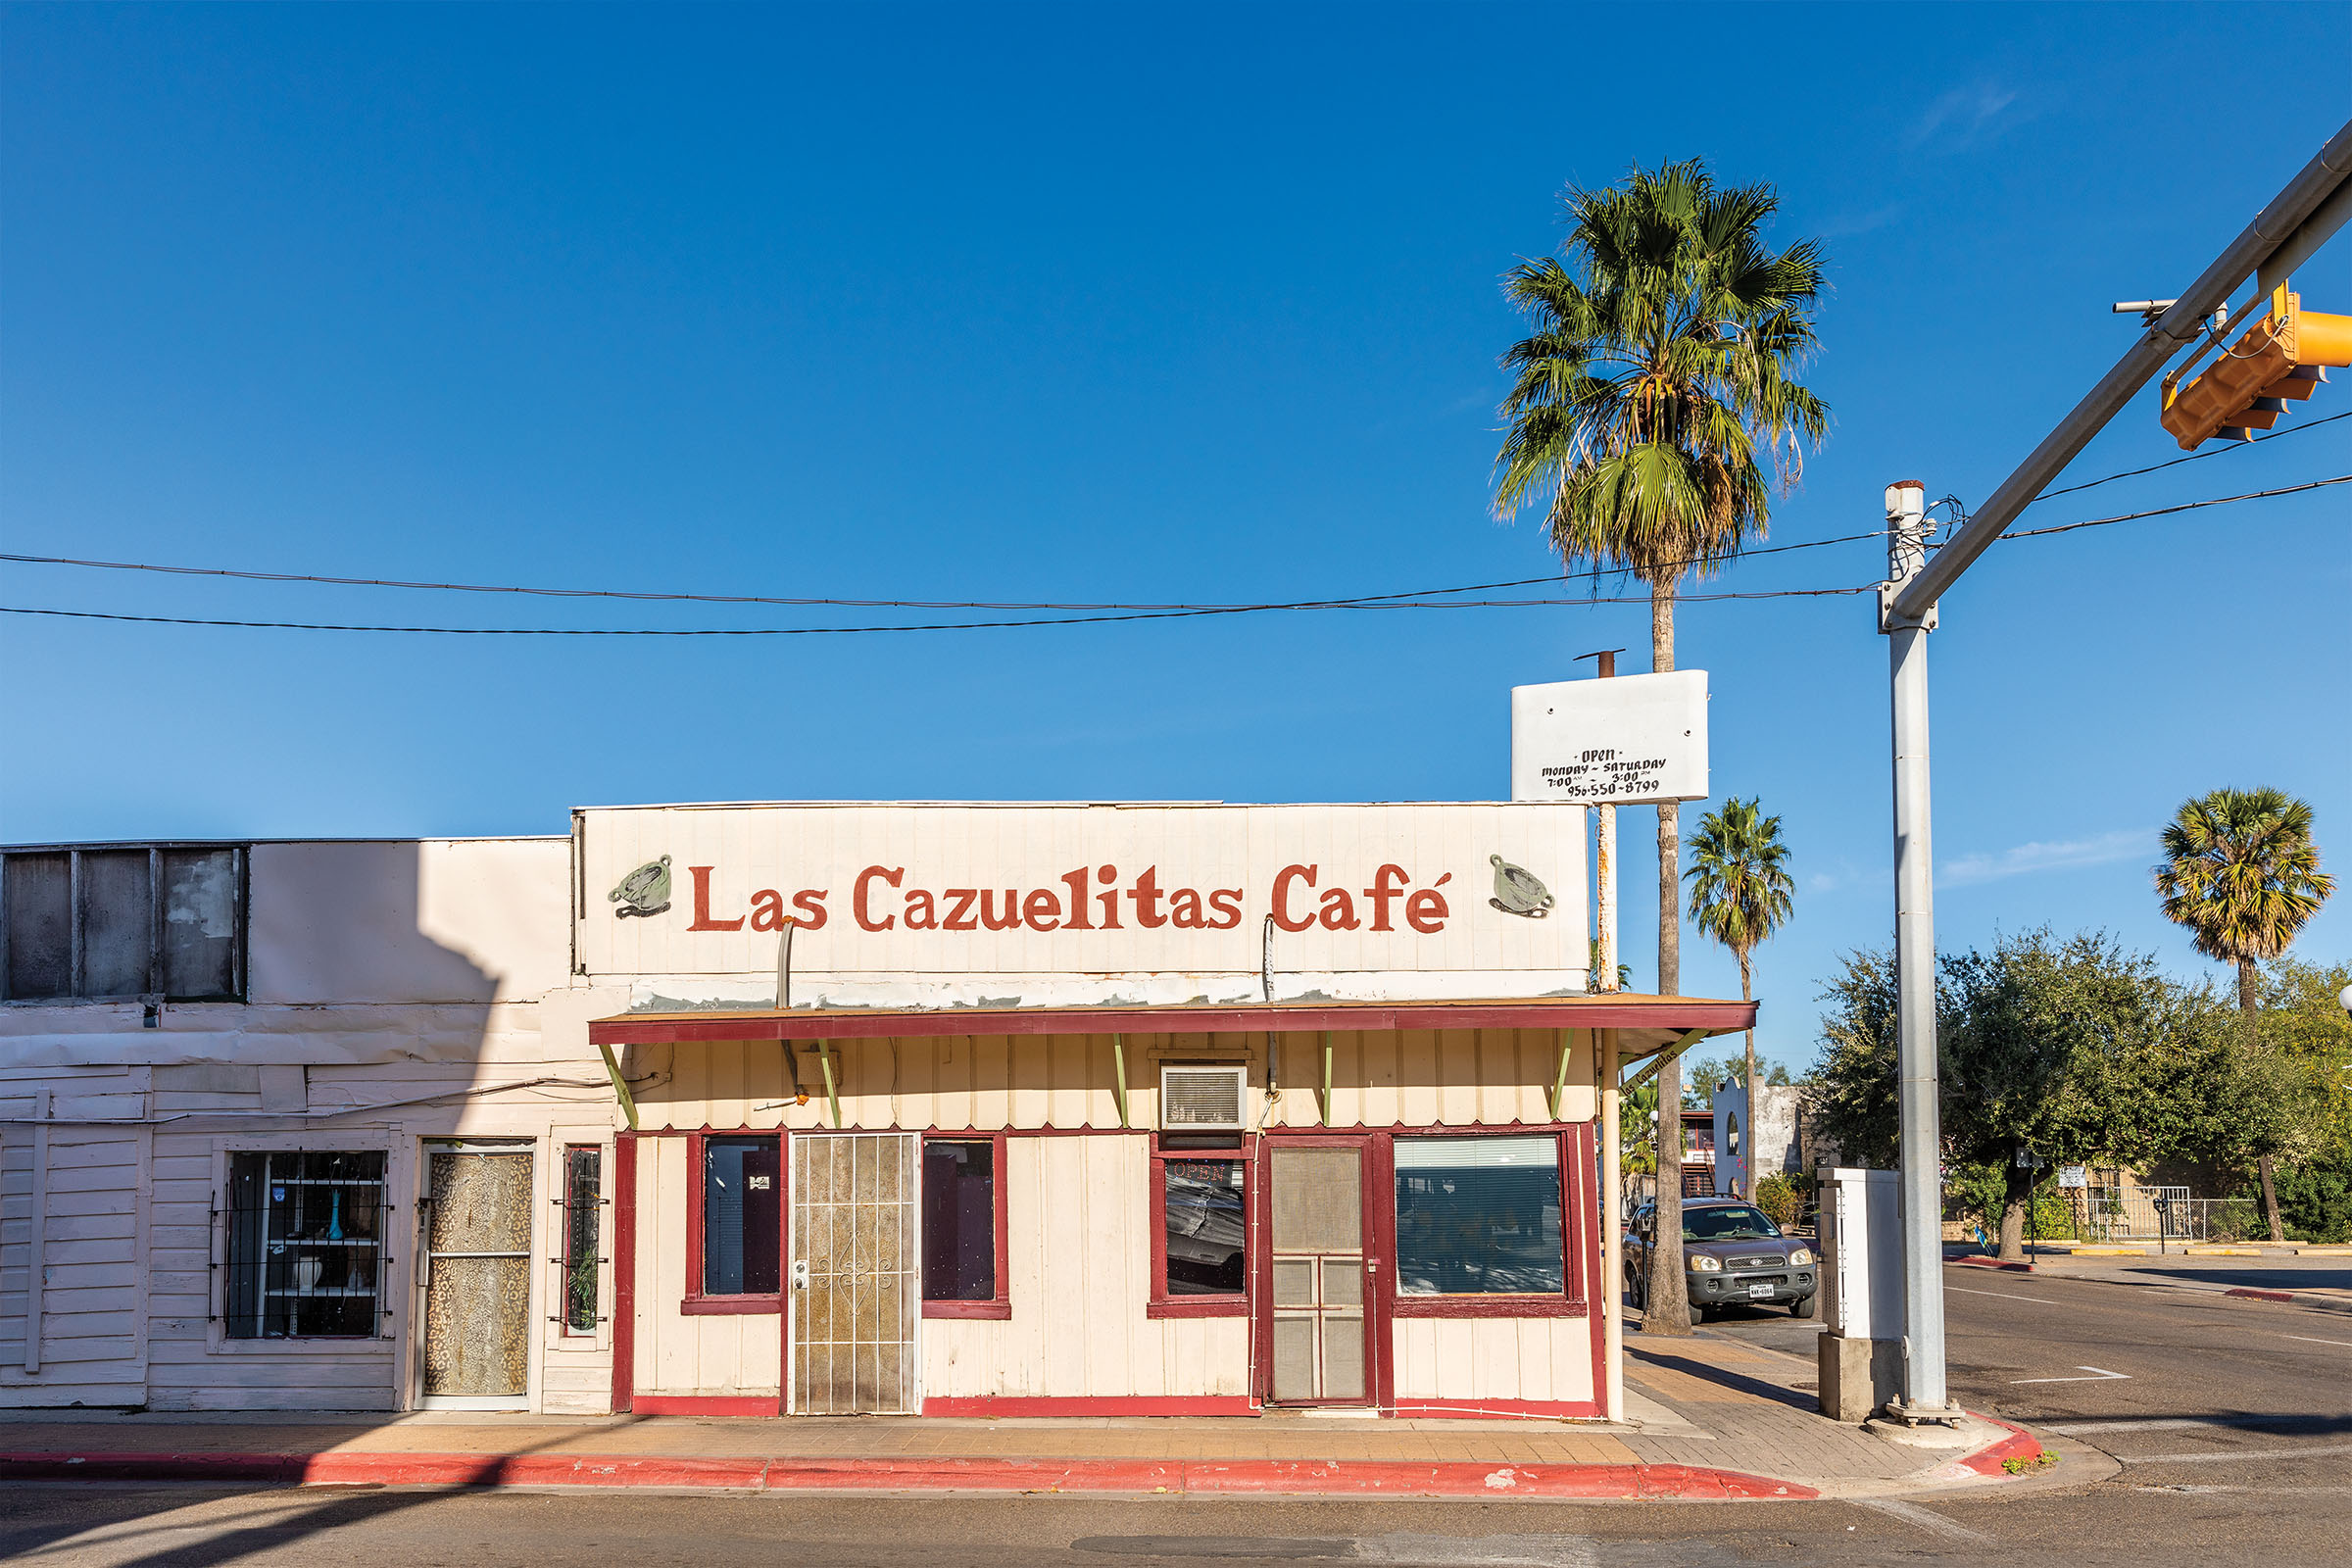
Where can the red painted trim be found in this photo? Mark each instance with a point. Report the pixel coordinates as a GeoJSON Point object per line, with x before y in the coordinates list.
{"type": "Point", "coordinates": [1614, 1011]}
{"type": "Point", "coordinates": [1162, 1304]}
{"type": "Point", "coordinates": [999, 1308]}
{"type": "Point", "coordinates": [1034, 1406]}
{"type": "Point", "coordinates": [624, 1271]}
{"type": "Point", "coordinates": [1497, 1305]}
{"type": "Point", "coordinates": [1587, 1143]}
{"type": "Point", "coordinates": [762, 1404]}
{"type": "Point", "coordinates": [1431, 1478]}
{"type": "Point", "coordinates": [1532, 1409]}
{"type": "Point", "coordinates": [732, 1305]}
{"type": "Point", "coordinates": [2019, 1445]}
{"type": "Point", "coordinates": [770, 1303]}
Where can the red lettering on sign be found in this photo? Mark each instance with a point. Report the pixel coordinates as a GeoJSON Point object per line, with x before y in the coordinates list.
{"type": "Point", "coordinates": [701, 904]}
{"type": "Point", "coordinates": [1012, 908]}
{"type": "Point", "coordinates": [1426, 912]}
{"type": "Point", "coordinates": [1042, 911]}
{"type": "Point", "coordinates": [811, 902]}
{"type": "Point", "coordinates": [1146, 894]}
{"type": "Point", "coordinates": [768, 910]}
{"type": "Point", "coordinates": [1282, 897]}
{"type": "Point", "coordinates": [1338, 910]}
{"type": "Point", "coordinates": [960, 910]}
{"type": "Point", "coordinates": [921, 917]}
{"type": "Point", "coordinates": [1075, 881]}
{"type": "Point", "coordinates": [1227, 902]}
{"type": "Point", "coordinates": [889, 874]}
{"type": "Point", "coordinates": [1381, 892]}
{"type": "Point", "coordinates": [1109, 876]}
{"type": "Point", "coordinates": [1183, 911]}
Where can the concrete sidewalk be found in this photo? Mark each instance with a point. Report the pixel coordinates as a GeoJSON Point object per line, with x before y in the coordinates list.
{"type": "Point", "coordinates": [1714, 1419]}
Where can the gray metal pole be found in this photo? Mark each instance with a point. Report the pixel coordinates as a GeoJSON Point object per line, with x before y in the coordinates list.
{"type": "Point", "coordinates": [1921, 1121]}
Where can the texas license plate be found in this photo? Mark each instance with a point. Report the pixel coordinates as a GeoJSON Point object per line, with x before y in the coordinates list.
{"type": "Point", "coordinates": [1760, 1290]}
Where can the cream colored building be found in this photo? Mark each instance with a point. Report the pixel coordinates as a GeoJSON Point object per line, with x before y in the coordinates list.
{"type": "Point", "coordinates": [902, 1108]}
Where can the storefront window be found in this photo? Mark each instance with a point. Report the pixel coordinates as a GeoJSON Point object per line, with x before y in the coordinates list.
{"type": "Point", "coordinates": [742, 1217]}
{"type": "Point", "coordinates": [1203, 1216]}
{"type": "Point", "coordinates": [582, 1231]}
{"type": "Point", "coordinates": [959, 1221]}
{"type": "Point", "coordinates": [304, 1229]}
{"type": "Point", "coordinates": [1478, 1216]}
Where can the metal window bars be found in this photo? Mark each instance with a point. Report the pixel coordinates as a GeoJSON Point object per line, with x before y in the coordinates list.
{"type": "Point", "coordinates": [302, 1236]}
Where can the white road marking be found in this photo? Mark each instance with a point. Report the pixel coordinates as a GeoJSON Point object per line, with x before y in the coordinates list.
{"type": "Point", "coordinates": [2085, 1429]}
{"type": "Point", "coordinates": [1912, 1514]}
{"type": "Point", "coordinates": [2005, 1296]}
{"type": "Point", "coordinates": [1480, 1551]}
{"type": "Point", "coordinates": [2308, 1339]}
{"type": "Point", "coordinates": [2102, 1377]}
{"type": "Point", "coordinates": [2236, 1455]}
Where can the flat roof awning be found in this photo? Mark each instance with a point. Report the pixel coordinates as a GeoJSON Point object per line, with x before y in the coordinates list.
{"type": "Point", "coordinates": [1654, 1020]}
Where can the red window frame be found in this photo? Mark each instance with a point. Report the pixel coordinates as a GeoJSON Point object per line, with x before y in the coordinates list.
{"type": "Point", "coordinates": [765, 1304]}
{"type": "Point", "coordinates": [1575, 1193]}
{"type": "Point", "coordinates": [1000, 1307]}
{"type": "Point", "coordinates": [1162, 1302]}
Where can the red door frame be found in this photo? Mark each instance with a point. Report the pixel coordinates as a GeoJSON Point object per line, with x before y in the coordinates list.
{"type": "Point", "coordinates": [1380, 1254]}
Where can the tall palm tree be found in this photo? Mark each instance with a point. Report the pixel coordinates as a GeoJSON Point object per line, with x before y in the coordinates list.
{"type": "Point", "coordinates": [1656, 387]}
{"type": "Point", "coordinates": [2242, 873]}
{"type": "Point", "coordinates": [1739, 896]}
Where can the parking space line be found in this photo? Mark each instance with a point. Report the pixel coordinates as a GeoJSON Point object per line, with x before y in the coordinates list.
{"type": "Point", "coordinates": [2239, 1455]}
{"type": "Point", "coordinates": [1934, 1523]}
{"type": "Point", "coordinates": [2103, 1376]}
{"type": "Point", "coordinates": [2308, 1339]}
{"type": "Point", "coordinates": [2005, 1296]}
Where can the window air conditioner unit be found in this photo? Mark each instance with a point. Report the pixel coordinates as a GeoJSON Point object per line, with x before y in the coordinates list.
{"type": "Point", "coordinates": [1200, 1100]}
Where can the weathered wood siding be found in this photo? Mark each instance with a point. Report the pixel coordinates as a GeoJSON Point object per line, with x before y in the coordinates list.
{"type": "Point", "coordinates": [92, 1347]}
{"type": "Point", "coordinates": [1415, 1078]}
{"type": "Point", "coordinates": [1079, 1262]}
{"type": "Point", "coordinates": [739, 1355]}
{"type": "Point", "coordinates": [1461, 1361]}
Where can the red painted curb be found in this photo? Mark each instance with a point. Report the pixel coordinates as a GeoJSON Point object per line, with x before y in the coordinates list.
{"type": "Point", "coordinates": [2019, 1445]}
{"type": "Point", "coordinates": [1994, 1262]}
{"type": "Point", "coordinates": [1446, 1478]}
{"type": "Point", "coordinates": [2262, 1295]}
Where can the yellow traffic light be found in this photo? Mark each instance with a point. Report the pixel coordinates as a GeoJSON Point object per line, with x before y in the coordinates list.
{"type": "Point", "coordinates": [2284, 356]}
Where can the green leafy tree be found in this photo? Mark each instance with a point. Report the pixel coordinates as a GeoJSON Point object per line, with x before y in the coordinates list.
{"type": "Point", "coordinates": [2242, 873]}
{"type": "Point", "coordinates": [1655, 390]}
{"type": "Point", "coordinates": [1740, 894]}
{"type": "Point", "coordinates": [1853, 1095]}
{"type": "Point", "coordinates": [2303, 1022]}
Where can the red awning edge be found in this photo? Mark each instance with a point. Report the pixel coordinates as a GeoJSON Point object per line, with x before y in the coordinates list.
{"type": "Point", "coordinates": [1616, 1011]}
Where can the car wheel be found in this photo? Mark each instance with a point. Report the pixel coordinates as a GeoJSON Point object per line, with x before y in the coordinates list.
{"type": "Point", "coordinates": [1802, 1306]}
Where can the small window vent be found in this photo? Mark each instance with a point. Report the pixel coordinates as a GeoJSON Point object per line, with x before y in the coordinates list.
{"type": "Point", "coordinates": [1201, 1099]}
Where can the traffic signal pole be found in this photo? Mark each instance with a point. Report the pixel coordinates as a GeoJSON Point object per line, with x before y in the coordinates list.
{"type": "Point", "coordinates": [2296, 222]}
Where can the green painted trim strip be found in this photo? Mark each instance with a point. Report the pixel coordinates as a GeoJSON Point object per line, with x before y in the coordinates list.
{"type": "Point", "coordinates": [824, 1057]}
{"type": "Point", "coordinates": [1323, 1094]}
{"type": "Point", "coordinates": [1119, 1080]}
{"type": "Point", "coordinates": [1666, 1056]}
{"type": "Point", "coordinates": [621, 1087]}
{"type": "Point", "coordinates": [1559, 1084]}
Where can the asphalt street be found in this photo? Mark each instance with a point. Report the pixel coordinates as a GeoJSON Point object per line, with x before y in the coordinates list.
{"type": "Point", "coordinates": [2233, 1420]}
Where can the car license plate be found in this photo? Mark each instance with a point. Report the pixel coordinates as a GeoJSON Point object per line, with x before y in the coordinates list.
{"type": "Point", "coordinates": [1759, 1290]}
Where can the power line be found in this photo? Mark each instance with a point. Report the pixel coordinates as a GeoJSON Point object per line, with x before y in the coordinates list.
{"type": "Point", "coordinates": [1592, 574]}
{"type": "Point", "coordinates": [962, 625]}
{"type": "Point", "coordinates": [1123, 614]}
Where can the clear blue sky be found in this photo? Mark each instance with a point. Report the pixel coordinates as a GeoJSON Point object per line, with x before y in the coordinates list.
{"type": "Point", "coordinates": [1108, 303]}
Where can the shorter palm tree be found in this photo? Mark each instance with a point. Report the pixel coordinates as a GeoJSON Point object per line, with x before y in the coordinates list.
{"type": "Point", "coordinates": [2241, 872]}
{"type": "Point", "coordinates": [1739, 896]}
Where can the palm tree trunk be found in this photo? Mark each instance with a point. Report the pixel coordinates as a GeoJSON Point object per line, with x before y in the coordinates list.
{"type": "Point", "coordinates": [1669, 1307]}
{"type": "Point", "coordinates": [1752, 1149]}
{"type": "Point", "coordinates": [2246, 1011]}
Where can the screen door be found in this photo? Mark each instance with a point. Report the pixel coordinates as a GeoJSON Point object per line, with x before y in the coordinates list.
{"type": "Point", "coordinates": [475, 1256]}
{"type": "Point", "coordinates": [857, 1292]}
{"type": "Point", "coordinates": [1319, 1344]}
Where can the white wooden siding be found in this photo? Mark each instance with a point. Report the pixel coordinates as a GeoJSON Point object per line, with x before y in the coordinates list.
{"type": "Point", "coordinates": [1079, 1274]}
{"type": "Point", "coordinates": [93, 1332]}
{"type": "Point", "coordinates": [1417, 1078]}
{"type": "Point", "coordinates": [734, 1354]}
{"type": "Point", "coordinates": [1461, 1361]}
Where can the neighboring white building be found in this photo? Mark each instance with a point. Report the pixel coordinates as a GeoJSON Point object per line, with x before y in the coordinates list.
{"type": "Point", "coordinates": [1776, 1135]}
{"type": "Point", "coordinates": [1074, 1110]}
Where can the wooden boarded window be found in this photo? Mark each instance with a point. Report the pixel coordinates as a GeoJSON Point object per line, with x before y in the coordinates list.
{"type": "Point", "coordinates": [165, 922]}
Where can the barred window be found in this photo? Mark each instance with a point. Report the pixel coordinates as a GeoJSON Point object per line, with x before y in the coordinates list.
{"type": "Point", "coordinates": [583, 1235]}
{"type": "Point", "coordinates": [304, 1244]}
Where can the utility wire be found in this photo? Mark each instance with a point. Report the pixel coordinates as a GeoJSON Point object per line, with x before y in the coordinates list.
{"type": "Point", "coordinates": [1161, 612]}
{"type": "Point", "coordinates": [957, 626]}
{"type": "Point", "coordinates": [1590, 574]}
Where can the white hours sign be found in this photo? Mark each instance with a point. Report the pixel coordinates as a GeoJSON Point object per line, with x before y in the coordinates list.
{"type": "Point", "coordinates": [1628, 740]}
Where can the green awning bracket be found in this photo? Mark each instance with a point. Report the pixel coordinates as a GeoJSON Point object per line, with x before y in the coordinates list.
{"type": "Point", "coordinates": [824, 1057]}
{"type": "Point", "coordinates": [1119, 1074]}
{"type": "Point", "coordinates": [1666, 1056]}
{"type": "Point", "coordinates": [1560, 1082]}
{"type": "Point", "coordinates": [1323, 1094]}
{"type": "Point", "coordinates": [621, 1087]}
{"type": "Point", "coordinates": [792, 1065]}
